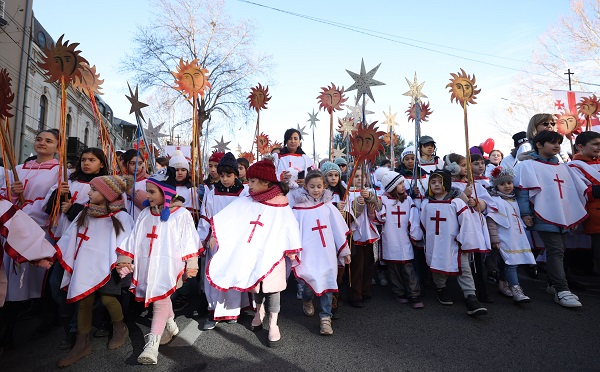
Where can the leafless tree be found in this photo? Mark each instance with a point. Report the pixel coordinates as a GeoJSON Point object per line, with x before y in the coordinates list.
{"type": "Point", "coordinates": [198, 29]}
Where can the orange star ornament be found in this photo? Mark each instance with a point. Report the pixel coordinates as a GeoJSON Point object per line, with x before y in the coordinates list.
{"type": "Point", "coordinates": [331, 98]}
{"type": "Point", "coordinates": [191, 79]}
{"type": "Point", "coordinates": [366, 142]}
{"type": "Point", "coordinates": [259, 97]}
{"type": "Point", "coordinates": [62, 61]}
{"type": "Point", "coordinates": [463, 88]}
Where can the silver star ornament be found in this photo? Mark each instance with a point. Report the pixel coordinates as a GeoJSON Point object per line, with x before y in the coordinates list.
{"type": "Point", "coordinates": [364, 81]}
{"type": "Point", "coordinates": [153, 134]}
{"type": "Point", "coordinates": [221, 145]}
{"type": "Point", "coordinates": [301, 130]}
{"type": "Point", "coordinates": [313, 119]}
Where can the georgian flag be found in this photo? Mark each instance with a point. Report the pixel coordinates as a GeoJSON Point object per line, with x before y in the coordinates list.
{"type": "Point", "coordinates": [567, 100]}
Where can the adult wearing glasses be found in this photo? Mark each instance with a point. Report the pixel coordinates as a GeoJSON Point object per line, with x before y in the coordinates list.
{"type": "Point", "coordinates": [539, 123]}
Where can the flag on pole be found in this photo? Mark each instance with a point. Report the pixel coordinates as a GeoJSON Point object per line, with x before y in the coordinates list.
{"type": "Point", "coordinates": [566, 100]}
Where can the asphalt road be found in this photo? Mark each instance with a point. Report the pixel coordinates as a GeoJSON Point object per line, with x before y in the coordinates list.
{"type": "Point", "coordinates": [382, 336]}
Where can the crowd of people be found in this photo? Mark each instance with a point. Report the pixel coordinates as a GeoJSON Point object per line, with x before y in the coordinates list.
{"type": "Point", "coordinates": [118, 242]}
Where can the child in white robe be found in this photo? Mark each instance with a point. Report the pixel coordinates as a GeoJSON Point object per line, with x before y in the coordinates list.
{"type": "Point", "coordinates": [87, 252]}
{"type": "Point", "coordinates": [163, 246]}
{"type": "Point", "coordinates": [185, 188]}
{"type": "Point", "coordinates": [401, 226]}
{"type": "Point", "coordinates": [324, 244]}
{"type": "Point", "coordinates": [450, 235]}
{"type": "Point", "coordinates": [507, 234]}
{"type": "Point", "coordinates": [136, 167]}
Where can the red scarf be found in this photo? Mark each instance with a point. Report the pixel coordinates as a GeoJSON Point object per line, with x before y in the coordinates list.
{"type": "Point", "coordinates": [263, 196]}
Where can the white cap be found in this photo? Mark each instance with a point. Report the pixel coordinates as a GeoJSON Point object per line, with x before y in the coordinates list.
{"type": "Point", "coordinates": [179, 161]}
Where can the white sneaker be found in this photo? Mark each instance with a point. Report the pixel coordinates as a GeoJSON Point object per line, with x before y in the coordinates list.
{"type": "Point", "coordinates": [170, 331]}
{"type": "Point", "coordinates": [566, 299]}
{"type": "Point", "coordinates": [518, 295]}
{"type": "Point", "coordinates": [300, 291]}
{"type": "Point", "coordinates": [150, 353]}
{"type": "Point", "coordinates": [504, 288]}
{"type": "Point", "coordinates": [551, 290]}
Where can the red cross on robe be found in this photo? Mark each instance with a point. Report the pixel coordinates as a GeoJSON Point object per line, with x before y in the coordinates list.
{"type": "Point", "coordinates": [320, 228]}
{"type": "Point", "coordinates": [437, 220]}
{"type": "Point", "coordinates": [518, 221]}
{"type": "Point", "coordinates": [398, 213]}
{"type": "Point", "coordinates": [82, 237]}
{"type": "Point", "coordinates": [152, 236]}
{"type": "Point", "coordinates": [255, 223]}
{"type": "Point", "coordinates": [559, 182]}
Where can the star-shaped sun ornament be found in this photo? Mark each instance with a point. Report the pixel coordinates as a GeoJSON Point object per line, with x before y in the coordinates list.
{"type": "Point", "coordinates": [259, 97]}
{"type": "Point", "coordinates": [463, 88]}
{"type": "Point", "coordinates": [338, 152]}
{"type": "Point", "coordinates": [390, 119]}
{"type": "Point", "coordinates": [364, 81]}
{"type": "Point", "coordinates": [301, 130]}
{"type": "Point", "coordinates": [414, 91]}
{"type": "Point", "coordinates": [153, 134]}
{"type": "Point", "coordinates": [346, 126]}
{"type": "Point", "coordinates": [89, 81]}
{"type": "Point", "coordinates": [331, 98]}
{"type": "Point", "coordinates": [191, 79]}
{"type": "Point", "coordinates": [313, 118]}
{"type": "Point", "coordinates": [424, 111]}
{"type": "Point", "coordinates": [136, 105]}
{"type": "Point", "coordinates": [61, 61]}
{"type": "Point", "coordinates": [221, 145]}
{"type": "Point", "coordinates": [6, 94]}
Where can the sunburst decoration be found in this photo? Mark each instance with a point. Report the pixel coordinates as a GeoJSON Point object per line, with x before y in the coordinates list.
{"type": "Point", "coordinates": [386, 139]}
{"type": "Point", "coordinates": [191, 79]}
{"type": "Point", "coordinates": [275, 145]}
{"type": "Point", "coordinates": [366, 142]}
{"type": "Point", "coordinates": [424, 112]}
{"type": "Point", "coordinates": [6, 94]}
{"type": "Point", "coordinates": [463, 88]}
{"type": "Point", "coordinates": [248, 156]}
{"type": "Point", "coordinates": [259, 97]}
{"type": "Point", "coordinates": [262, 143]}
{"type": "Point", "coordinates": [89, 81]}
{"type": "Point", "coordinates": [588, 106]}
{"type": "Point", "coordinates": [331, 98]}
{"type": "Point", "coordinates": [62, 61]}
{"type": "Point", "coordinates": [346, 126]}
{"type": "Point", "coordinates": [568, 124]}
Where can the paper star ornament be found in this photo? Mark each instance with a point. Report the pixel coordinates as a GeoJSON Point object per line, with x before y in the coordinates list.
{"type": "Point", "coordinates": [221, 145]}
{"type": "Point", "coordinates": [414, 90]}
{"type": "Point", "coordinates": [364, 81]}
{"type": "Point", "coordinates": [346, 127]}
{"type": "Point", "coordinates": [301, 130]}
{"type": "Point", "coordinates": [390, 119]}
{"type": "Point", "coordinates": [153, 134]}
{"type": "Point", "coordinates": [357, 112]}
{"type": "Point", "coordinates": [313, 118]}
{"type": "Point", "coordinates": [338, 152]}
{"type": "Point", "coordinates": [136, 105]}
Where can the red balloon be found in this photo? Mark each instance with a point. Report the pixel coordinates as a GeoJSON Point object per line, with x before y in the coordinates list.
{"type": "Point", "coordinates": [488, 145]}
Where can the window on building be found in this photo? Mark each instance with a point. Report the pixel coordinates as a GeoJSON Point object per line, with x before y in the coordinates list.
{"type": "Point", "coordinates": [42, 113]}
{"type": "Point", "coordinates": [69, 121]}
{"type": "Point", "coordinates": [85, 136]}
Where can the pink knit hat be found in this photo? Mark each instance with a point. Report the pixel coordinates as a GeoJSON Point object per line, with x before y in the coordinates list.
{"type": "Point", "coordinates": [111, 187]}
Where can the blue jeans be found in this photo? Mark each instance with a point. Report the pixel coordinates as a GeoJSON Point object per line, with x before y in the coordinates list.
{"type": "Point", "coordinates": [507, 273]}
{"type": "Point", "coordinates": [325, 300]}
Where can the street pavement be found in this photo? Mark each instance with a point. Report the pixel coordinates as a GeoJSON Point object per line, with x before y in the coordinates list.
{"type": "Point", "coordinates": [382, 336]}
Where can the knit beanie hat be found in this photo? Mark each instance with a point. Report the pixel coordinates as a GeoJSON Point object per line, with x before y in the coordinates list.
{"type": "Point", "coordinates": [329, 166]}
{"type": "Point", "coordinates": [228, 164]}
{"type": "Point", "coordinates": [474, 150]}
{"type": "Point", "coordinates": [111, 187]}
{"type": "Point", "coordinates": [263, 170]}
{"type": "Point", "coordinates": [178, 161]}
{"type": "Point", "coordinates": [390, 180]}
{"type": "Point", "coordinates": [519, 138]}
{"type": "Point", "coordinates": [164, 179]}
{"type": "Point", "coordinates": [379, 172]}
{"type": "Point", "coordinates": [340, 161]}
{"type": "Point", "coordinates": [216, 157]}
{"type": "Point", "coordinates": [446, 179]}
{"type": "Point", "coordinates": [410, 150]}
{"type": "Point", "coordinates": [501, 174]}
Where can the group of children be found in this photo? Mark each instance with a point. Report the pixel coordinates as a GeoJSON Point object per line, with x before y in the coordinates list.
{"type": "Point", "coordinates": [248, 227]}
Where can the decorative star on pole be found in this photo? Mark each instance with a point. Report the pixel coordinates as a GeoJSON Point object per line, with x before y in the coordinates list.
{"type": "Point", "coordinates": [153, 134]}
{"type": "Point", "coordinates": [136, 105]}
{"type": "Point", "coordinates": [338, 152]}
{"type": "Point", "coordinates": [415, 90]}
{"type": "Point", "coordinates": [356, 112]}
{"type": "Point", "coordinates": [390, 119]}
{"type": "Point", "coordinates": [313, 118]}
{"type": "Point", "coordinates": [301, 130]}
{"type": "Point", "coordinates": [346, 126]}
{"type": "Point", "coordinates": [221, 145]}
{"type": "Point", "coordinates": [364, 81]}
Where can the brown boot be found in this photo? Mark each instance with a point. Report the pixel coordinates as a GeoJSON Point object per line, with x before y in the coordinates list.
{"type": "Point", "coordinates": [82, 348]}
{"type": "Point", "coordinates": [120, 333]}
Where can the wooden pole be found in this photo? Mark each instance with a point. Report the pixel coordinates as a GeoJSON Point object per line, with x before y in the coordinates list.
{"type": "Point", "coordinates": [330, 136]}
{"type": "Point", "coordinates": [468, 155]}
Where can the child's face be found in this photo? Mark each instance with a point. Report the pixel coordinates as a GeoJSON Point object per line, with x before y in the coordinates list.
{"type": "Point", "coordinates": [478, 167]}
{"type": "Point", "coordinates": [548, 149]}
{"type": "Point", "coordinates": [95, 196]}
{"type": "Point", "coordinates": [212, 170]}
{"type": "Point", "coordinates": [506, 187]}
{"type": "Point", "coordinates": [495, 157]}
{"type": "Point", "coordinates": [591, 149]}
{"type": "Point", "coordinates": [427, 149]}
{"type": "Point", "coordinates": [155, 196]}
{"type": "Point", "coordinates": [400, 188]}
{"type": "Point", "coordinates": [333, 178]}
{"type": "Point", "coordinates": [90, 164]}
{"type": "Point", "coordinates": [180, 174]}
{"type": "Point", "coordinates": [357, 181]}
{"type": "Point", "coordinates": [315, 187]}
{"type": "Point", "coordinates": [242, 171]}
{"type": "Point", "coordinates": [257, 185]}
{"type": "Point", "coordinates": [463, 168]}
{"type": "Point", "coordinates": [141, 165]}
{"type": "Point", "coordinates": [227, 179]}
{"type": "Point", "coordinates": [45, 144]}
{"type": "Point", "coordinates": [436, 185]}
{"type": "Point", "coordinates": [409, 161]}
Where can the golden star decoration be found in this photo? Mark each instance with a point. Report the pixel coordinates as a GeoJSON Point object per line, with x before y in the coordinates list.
{"type": "Point", "coordinates": [390, 120]}
{"type": "Point", "coordinates": [414, 90]}
{"type": "Point", "coordinates": [338, 152]}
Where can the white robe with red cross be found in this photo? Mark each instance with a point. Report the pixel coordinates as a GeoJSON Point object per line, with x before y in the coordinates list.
{"type": "Point", "coordinates": [324, 244]}
{"type": "Point", "coordinates": [226, 305]}
{"type": "Point", "coordinates": [159, 250]}
{"type": "Point", "coordinates": [293, 163]}
{"type": "Point", "coordinates": [88, 253]}
{"type": "Point", "coordinates": [23, 240]}
{"type": "Point", "coordinates": [514, 245]}
{"type": "Point", "coordinates": [449, 230]}
{"type": "Point", "coordinates": [253, 238]}
{"type": "Point", "coordinates": [557, 197]}
{"type": "Point", "coordinates": [363, 228]}
{"type": "Point", "coordinates": [79, 194]}
{"type": "Point", "coordinates": [401, 226]}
